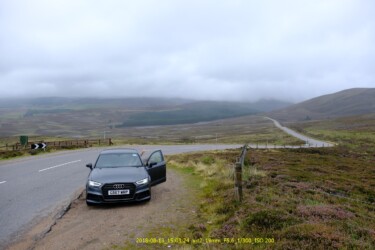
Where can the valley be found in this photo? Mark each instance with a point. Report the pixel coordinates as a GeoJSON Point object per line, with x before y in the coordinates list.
{"type": "Point", "coordinates": [294, 197]}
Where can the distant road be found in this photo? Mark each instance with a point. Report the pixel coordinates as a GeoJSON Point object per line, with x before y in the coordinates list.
{"type": "Point", "coordinates": [310, 142]}
{"type": "Point", "coordinates": [34, 187]}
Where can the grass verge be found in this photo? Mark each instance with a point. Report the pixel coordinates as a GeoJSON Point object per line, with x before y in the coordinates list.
{"type": "Point", "coordinates": [293, 199]}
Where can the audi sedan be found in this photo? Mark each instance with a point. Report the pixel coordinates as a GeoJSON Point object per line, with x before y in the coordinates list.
{"type": "Point", "coordinates": [120, 175]}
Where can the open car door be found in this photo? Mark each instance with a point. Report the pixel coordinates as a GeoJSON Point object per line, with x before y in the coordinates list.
{"type": "Point", "coordinates": [157, 168]}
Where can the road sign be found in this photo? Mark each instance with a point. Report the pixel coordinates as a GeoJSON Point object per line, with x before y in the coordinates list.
{"type": "Point", "coordinates": [24, 139]}
{"type": "Point", "coordinates": [38, 145]}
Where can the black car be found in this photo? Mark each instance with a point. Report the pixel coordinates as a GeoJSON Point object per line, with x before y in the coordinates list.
{"type": "Point", "coordinates": [120, 175]}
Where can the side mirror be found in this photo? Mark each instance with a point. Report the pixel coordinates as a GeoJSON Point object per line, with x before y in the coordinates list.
{"type": "Point", "coordinates": [89, 166]}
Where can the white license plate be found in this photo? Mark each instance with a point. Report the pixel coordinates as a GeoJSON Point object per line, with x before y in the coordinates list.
{"type": "Point", "coordinates": [119, 192]}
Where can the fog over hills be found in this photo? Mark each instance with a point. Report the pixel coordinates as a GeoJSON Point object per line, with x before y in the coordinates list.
{"type": "Point", "coordinates": [356, 101]}
{"type": "Point", "coordinates": [135, 102]}
{"type": "Point", "coordinates": [86, 116]}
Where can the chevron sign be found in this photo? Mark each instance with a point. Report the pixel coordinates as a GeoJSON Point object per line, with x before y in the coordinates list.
{"type": "Point", "coordinates": [38, 145]}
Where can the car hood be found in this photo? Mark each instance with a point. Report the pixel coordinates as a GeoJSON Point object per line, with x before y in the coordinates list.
{"type": "Point", "coordinates": [119, 174]}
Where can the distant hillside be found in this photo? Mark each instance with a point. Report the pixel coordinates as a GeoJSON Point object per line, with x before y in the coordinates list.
{"type": "Point", "coordinates": [190, 113]}
{"type": "Point", "coordinates": [201, 111]}
{"type": "Point", "coordinates": [349, 102]}
{"type": "Point", "coordinates": [267, 105]}
{"type": "Point", "coordinates": [84, 103]}
{"type": "Point", "coordinates": [78, 117]}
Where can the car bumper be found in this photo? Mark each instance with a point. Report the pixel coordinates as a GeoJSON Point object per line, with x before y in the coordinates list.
{"type": "Point", "coordinates": [95, 196]}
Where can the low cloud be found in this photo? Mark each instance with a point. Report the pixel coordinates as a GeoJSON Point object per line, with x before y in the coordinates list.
{"type": "Point", "coordinates": [226, 50]}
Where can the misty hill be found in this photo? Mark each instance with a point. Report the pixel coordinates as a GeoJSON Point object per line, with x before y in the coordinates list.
{"type": "Point", "coordinates": [85, 103]}
{"type": "Point", "coordinates": [91, 116]}
{"type": "Point", "coordinates": [190, 113]}
{"type": "Point", "coordinates": [267, 105]}
{"type": "Point", "coordinates": [348, 102]}
{"type": "Point", "coordinates": [201, 111]}
{"type": "Point", "coordinates": [65, 103]}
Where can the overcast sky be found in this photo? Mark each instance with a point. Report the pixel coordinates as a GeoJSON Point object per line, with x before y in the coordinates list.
{"type": "Point", "coordinates": [204, 49]}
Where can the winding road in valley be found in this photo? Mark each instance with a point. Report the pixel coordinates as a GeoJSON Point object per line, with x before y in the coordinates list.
{"type": "Point", "coordinates": [310, 142]}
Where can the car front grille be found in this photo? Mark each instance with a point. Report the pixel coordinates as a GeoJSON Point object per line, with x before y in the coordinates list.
{"type": "Point", "coordinates": [118, 186]}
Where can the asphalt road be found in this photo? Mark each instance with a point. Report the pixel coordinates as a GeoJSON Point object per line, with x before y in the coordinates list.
{"type": "Point", "coordinates": [310, 142]}
{"type": "Point", "coordinates": [33, 187]}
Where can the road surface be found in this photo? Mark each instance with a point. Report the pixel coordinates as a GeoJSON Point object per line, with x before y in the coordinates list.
{"type": "Point", "coordinates": [310, 142]}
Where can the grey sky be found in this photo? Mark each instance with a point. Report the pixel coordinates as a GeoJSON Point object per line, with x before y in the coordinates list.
{"type": "Point", "coordinates": [204, 49]}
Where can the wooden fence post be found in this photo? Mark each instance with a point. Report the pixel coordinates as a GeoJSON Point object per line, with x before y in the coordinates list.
{"type": "Point", "coordinates": [238, 181]}
{"type": "Point", "coordinates": [238, 173]}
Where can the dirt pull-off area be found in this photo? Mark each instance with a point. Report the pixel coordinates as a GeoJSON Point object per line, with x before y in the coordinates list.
{"type": "Point", "coordinates": [103, 227]}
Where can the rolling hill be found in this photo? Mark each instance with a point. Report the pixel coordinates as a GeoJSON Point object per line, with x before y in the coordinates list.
{"type": "Point", "coordinates": [82, 117]}
{"type": "Point", "coordinates": [190, 113]}
{"type": "Point", "coordinates": [348, 102]}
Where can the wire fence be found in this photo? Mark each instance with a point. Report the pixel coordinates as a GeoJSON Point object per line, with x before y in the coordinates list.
{"type": "Point", "coordinates": [56, 144]}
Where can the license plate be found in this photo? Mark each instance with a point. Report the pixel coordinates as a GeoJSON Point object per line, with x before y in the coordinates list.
{"type": "Point", "coordinates": [119, 192]}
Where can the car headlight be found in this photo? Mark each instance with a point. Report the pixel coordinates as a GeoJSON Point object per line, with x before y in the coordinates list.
{"type": "Point", "coordinates": [94, 184]}
{"type": "Point", "coordinates": [143, 181]}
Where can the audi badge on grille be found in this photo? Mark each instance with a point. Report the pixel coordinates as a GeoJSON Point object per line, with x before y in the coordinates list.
{"type": "Point", "coordinates": [118, 186]}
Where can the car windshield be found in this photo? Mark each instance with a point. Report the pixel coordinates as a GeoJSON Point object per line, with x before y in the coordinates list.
{"type": "Point", "coordinates": [118, 160]}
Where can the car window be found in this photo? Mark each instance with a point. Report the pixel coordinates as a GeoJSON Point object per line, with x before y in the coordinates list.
{"type": "Point", "coordinates": [118, 160]}
{"type": "Point", "coordinates": [156, 157]}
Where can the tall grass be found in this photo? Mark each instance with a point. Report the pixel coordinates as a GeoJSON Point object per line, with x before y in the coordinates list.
{"type": "Point", "coordinates": [303, 199]}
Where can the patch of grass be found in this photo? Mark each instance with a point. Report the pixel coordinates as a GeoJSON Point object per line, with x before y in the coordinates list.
{"type": "Point", "coordinates": [16, 154]}
{"type": "Point", "coordinates": [265, 220]}
{"type": "Point", "coordinates": [208, 160]}
{"type": "Point", "coordinates": [311, 236]}
{"type": "Point", "coordinates": [11, 154]}
{"type": "Point", "coordinates": [67, 144]}
{"type": "Point", "coordinates": [253, 173]}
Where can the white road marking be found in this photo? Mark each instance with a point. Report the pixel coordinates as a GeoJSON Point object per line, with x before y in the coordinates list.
{"type": "Point", "coordinates": [2, 182]}
{"type": "Point", "coordinates": [71, 162]}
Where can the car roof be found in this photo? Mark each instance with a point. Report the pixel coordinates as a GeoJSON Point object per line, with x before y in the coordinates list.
{"type": "Point", "coordinates": [119, 151]}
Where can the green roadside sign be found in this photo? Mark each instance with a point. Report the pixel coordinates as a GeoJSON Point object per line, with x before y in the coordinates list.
{"type": "Point", "coordinates": [24, 139]}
